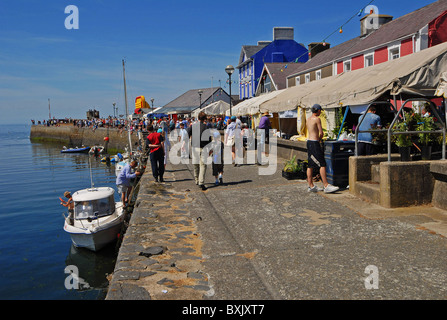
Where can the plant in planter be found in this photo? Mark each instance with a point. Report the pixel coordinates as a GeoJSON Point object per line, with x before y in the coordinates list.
{"type": "Point", "coordinates": [403, 141]}
{"type": "Point", "coordinates": [426, 139]}
{"type": "Point", "coordinates": [294, 169]}
{"type": "Point", "coordinates": [379, 138]}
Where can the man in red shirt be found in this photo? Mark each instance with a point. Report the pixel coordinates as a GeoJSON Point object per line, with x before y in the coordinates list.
{"type": "Point", "coordinates": [156, 149]}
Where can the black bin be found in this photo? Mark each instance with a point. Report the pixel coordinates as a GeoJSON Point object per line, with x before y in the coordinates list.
{"type": "Point", "coordinates": [336, 154]}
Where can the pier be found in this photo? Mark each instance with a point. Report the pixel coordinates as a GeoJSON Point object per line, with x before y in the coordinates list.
{"type": "Point", "coordinates": [265, 238]}
{"type": "Point", "coordinates": [70, 135]}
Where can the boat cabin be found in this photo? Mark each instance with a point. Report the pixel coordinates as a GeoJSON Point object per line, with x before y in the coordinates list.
{"type": "Point", "coordinates": [94, 203]}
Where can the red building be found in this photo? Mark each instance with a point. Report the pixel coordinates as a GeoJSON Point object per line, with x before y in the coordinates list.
{"type": "Point", "coordinates": [382, 38]}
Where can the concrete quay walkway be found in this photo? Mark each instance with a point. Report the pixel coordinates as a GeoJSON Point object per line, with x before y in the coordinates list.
{"type": "Point", "coordinates": [265, 238]}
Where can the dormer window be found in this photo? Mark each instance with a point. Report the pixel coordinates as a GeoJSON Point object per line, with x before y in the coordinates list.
{"type": "Point", "coordinates": [369, 60]}
{"type": "Point", "coordinates": [394, 53]}
{"type": "Point", "coordinates": [347, 66]}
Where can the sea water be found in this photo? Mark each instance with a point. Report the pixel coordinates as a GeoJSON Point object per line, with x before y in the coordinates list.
{"type": "Point", "coordinates": [34, 248]}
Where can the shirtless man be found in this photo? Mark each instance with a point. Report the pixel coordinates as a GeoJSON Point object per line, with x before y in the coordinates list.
{"type": "Point", "coordinates": [315, 152]}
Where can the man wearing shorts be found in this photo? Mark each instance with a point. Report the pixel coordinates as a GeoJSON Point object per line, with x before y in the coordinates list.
{"type": "Point", "coordinates": [123, 181]}
{"type": "Point", "coordinates": [315, 152]}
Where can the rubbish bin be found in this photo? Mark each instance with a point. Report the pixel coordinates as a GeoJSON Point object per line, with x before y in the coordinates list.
{"type": "Point", "coordinates": [336, 154]}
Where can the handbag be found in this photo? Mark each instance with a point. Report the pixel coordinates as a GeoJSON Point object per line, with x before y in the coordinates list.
{"type": "Point", "coordinates": [230, 141]}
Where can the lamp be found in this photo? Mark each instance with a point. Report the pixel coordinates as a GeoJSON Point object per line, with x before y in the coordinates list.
{"type": "Point", "coordinates": [229, 70]}
{"type": "Point", "coordinates": [200, 98]}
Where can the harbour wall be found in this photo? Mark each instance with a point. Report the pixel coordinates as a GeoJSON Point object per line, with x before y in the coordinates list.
{"type": "Point", "coordinates": [72, 136]}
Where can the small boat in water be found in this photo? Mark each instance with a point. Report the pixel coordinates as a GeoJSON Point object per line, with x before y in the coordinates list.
{"type": "Point", "coordinates": [96, 150]}
{"type": "Point", "coordinates": [97, 219]}
{"type": "Point", "coordinates": [75, 150]}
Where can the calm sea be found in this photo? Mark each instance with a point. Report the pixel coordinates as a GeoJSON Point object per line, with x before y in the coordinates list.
{"type": "Point", "coordinates": [34, 249]}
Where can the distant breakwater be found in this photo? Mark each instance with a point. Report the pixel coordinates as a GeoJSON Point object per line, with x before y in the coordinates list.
{"type": "Point", "coordinates": [72, 136]}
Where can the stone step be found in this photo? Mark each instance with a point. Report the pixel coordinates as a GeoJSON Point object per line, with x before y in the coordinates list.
{"type": "Point", "coordinates": [369, 191]}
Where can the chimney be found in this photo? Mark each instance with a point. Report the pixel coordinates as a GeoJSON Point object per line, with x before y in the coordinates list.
{"type": "Point", "coordinates": [372, 22]}
{"type": "Point", "coordinates": [283, 33]}
{"type": "Point", "coordinates": [317, 47]}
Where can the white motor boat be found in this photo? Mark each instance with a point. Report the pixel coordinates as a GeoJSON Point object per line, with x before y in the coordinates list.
{"type": "Point", "coordinates": [97, 220]}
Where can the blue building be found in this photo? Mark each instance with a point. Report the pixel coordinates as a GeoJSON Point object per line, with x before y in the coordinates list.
{"type": "Point", "coordinates": [253, 57]}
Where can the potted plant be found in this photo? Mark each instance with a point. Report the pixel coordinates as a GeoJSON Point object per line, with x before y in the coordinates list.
{"type": "Point", "coordinates": [294, 169]}
{"type": "Point", "coordinates": [426, 139]}
{"type": "Point", "coordinates": [403, 141]}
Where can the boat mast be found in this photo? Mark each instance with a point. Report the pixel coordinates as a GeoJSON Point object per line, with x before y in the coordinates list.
{"type": "Point", "coordinates": [127, 112]}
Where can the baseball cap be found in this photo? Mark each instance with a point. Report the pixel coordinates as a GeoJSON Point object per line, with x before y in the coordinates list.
{"type": "Point", "coordinates": [315, 108]}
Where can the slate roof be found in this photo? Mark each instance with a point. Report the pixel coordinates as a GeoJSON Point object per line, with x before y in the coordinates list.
{"type": "Point", "coordinates": [191, 99]}
{"type": "Point", "coordinates": [280, 71]}
{"type": "Point", "coordinates": [399, 28]}
{"type": "Point", "coordinates": [248, 51]}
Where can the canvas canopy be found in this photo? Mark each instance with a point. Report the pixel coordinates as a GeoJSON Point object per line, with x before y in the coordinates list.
{"type": "Point", "coordinates": [418, 74]}
{"type": "Point", "coordinates": [251, 106]}
{"type": "Point", "coordinates": [291, 98]}
{"type": "Point", "coordinates": [441, 91]}
{"type": "Point", "coordinates": [214, 109]}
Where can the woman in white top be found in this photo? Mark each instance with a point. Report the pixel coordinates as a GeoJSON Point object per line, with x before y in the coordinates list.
{"type": "Point", "coordinates": [230, 138]}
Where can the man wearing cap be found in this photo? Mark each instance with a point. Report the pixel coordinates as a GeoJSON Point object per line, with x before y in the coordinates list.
{"type": "Point", "coordinates": [315, 152]}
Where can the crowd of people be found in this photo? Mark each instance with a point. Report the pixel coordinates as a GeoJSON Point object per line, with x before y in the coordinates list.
{"type": "Point", "coordinates": [135, 125]}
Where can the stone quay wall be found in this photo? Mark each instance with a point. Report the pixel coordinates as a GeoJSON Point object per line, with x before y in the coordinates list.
{"type": "Point", "coordinates": [72, 136]}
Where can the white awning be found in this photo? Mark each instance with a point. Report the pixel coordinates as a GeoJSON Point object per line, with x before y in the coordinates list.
{"type": "Point", "coordinates": [417, 74]}
{"type": "Point", "coordinates": [214, 109]}
{"type": "Point", "coordinates": [251, 106]}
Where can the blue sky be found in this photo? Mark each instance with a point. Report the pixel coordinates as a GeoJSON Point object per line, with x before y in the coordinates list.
{"type": "Point", "coordinates": [169, 46]}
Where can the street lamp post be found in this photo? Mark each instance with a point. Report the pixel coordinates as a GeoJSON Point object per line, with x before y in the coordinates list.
{"type": "Point", "coordinates": [152, 100]}
{"type": "Point", "coordinates": [114, 104]}
{"type": "Point", "coordinates": [229, 70]}
{"type": "Point", "coordinates": [200, 99]}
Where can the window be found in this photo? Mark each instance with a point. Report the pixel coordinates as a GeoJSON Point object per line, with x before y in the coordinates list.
{"type": "Point", "coordinates": [297, 81]}
{"type": "Point", "coordinates": [347, 66]}
{"type": "Point", "coordinates": [318, 75]}
{"type": "Point", "coordinates": [394, 53]}
{"type": "Point", "coordinates": [369, 60]}
{"type": "Point", "coordinates": [94, 209]}
{"type": "Point", "coordinates": [307, 78]}
{"type": "Point", "coordinates": [266, 85]}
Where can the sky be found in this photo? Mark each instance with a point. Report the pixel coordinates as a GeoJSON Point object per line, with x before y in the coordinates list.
{"type": "Point", "coordinates": [169, 47]}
